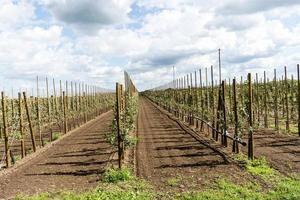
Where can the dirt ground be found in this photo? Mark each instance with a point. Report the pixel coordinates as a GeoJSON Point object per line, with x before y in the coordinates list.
{"type": "Point", "coordinates": [281, 151]}
{"type": "Point", "coordinates": [168, 156]}
{"type": "Point", "coordinates": [57, 129]}
{"type": "Point", "coordinates": [75, 162]}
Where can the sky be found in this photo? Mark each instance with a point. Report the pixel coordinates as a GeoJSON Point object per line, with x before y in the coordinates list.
{"type": "Point", "coordinates": [94, 41]}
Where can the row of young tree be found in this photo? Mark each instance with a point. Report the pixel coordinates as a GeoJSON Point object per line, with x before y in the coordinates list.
{"type": "Point", "coordinates": [29, 122]}
{"type": "Point", "coordinates": [124, 122]}
{"type": "Point", "coordinates": [228, 105]}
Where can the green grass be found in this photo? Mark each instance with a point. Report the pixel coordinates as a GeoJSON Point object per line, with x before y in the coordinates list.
{"type": "Point", "coordinates": [173, 182]}
{"type": "Point", "coordinates": [282, 127]}
{"type": "Point", "coordinates": [258, 167]}
{"type": "Point", "coordinates": [284, 189]}
{"type": "Point", "coordinates": [46, 141]}
{"type": "Point", "coordinates": [55, 136]}
{"type": "Point", "coordinates": [122, 185]}
{"type": "Point", "coordinates": [129, 190]}
{"type": "Point", "coordinates": [137, 189]}
{"type": "Point", "coordinates": [112, 175]}
{"type": "Point", "coordinates": [225, 190]}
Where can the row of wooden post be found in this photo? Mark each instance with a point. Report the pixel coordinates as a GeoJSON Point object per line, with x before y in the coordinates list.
{"type": "Point", "coordinates": [131, 90]}
{"type": "Point", "coordinates": [182, 95]}
{"type": "Point", "coordinates": [23, 100]}
{"type": "Point", "coordinates": [259, 95]}
{"type": "Point", "coordinates": [5, 127]}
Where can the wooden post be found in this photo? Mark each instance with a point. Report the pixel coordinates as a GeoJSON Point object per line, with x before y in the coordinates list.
{"type": "Point", "coordinates": [67, 95]}
{"type": "Point", "coordinates": [38, 114]}
{"type": "Point", "coordinates": [287, 101]}
{"type": "Point", "coordinates": [5, 131]}
{"type": "Point", "coordinates": [122, 105]}
{"type": "Point", "coordinates": [258, 100]}
{"type": "Point", "coordinates": [54, 96]}
{"type": "Point", "coordinates": [298, 75]}
{"type": "Point", "coordinates": [201, 95]}
{"type": "Point", "coordinates": [61, 97]}
{"type": "Point", "coordinates": [219, 110]}
{"type": "Point", "coordinates": [224, 115]}
{"type": "Point", "coordinates": [65, 112]}
{"type": "Point", "coordinates": [118, 118]}
{"type": "Point", "coordinates": [250, 136]}
{"type": "Point", "coordinates": [12, 108]}
{"type": "Point", "coordinates": [276, 102]}
{"type": "Point", "coordinates": [207, 95]}
{"type": "Point", "coordinates": [196, 99]}
{"type": "Point", "coordinates": [49, 110]}
{"type": "Point", "coordinates": [29, 122]}
{"type": "Point", "coordinates": [72, 96]}
{"type": "Point", "coordinates": [235, 147]}
{"type": "Point", "coordinates": [230, 99]}
{"type": "Point", "coordinates": [292, 98]}
{"type": "Point", "coordinates": [265, 102]}
{"type": "Point", "coordinates": [76, 97]}
{"type": "Point", "coordinates": [23, 152]}
{"type": "Point", "coordinates": [242, 92]}
{"type": "Point", "coordinates": [213, 101]}
{"type": "Point", "coordinates": [86, 104]}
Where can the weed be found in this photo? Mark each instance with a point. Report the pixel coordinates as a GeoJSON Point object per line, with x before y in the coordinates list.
{"type": "Point", "coordinates": [174, 181]}
{"type": "Point", "coordinates": [225, 190]}
{"type": "Point", "coordinates": [257, 166]}
{"type": "Point", "coordinates": [55, 136]}
{"type": "Point", "coordinates": [129, 190]}
{"type": "Point", "coordinates": [114, 175]}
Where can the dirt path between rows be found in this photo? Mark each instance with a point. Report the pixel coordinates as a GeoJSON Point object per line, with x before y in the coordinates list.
{"type": "Point", "coordinates": [281, 151]}
{"type": "Point", "coordinates": [168, 156]}
{"type": "Point", "coordinates": [73, 163]}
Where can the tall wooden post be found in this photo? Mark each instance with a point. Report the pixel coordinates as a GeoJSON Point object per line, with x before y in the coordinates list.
{"type": "Point", "coordinates": [235, 147]}
{"type": "Point", "coordinates": [201, 93]}
{"type": "Point", "coordinates": [5, 131]}
{"type": "Point", "coordinates": [224, 115]}
{"type": "Point", "coordinates": [49, 110]}
{"type": "Point", "coordinates": [213, 102]}
{"type": "Point", "coordinates": [38, 114]}
{"type": "Point", "coordinates": [265, 102]}
{"type": "Point", "coordinates": [258, 100]}
{"type": "Point", "coordinates": [23, 152]}
{"type": "Point", "coordinates": [250, 136]}
{"type": "Point", "coordinates": [230, 99]}
{"type": "Point", "coordinates": [298, 75]}
{"type": "Point", "coordinates": [118, 118]}
{"type": "Point", "coordinates": [65, 112]}
{"type": "Point", "coordinates": [29, 122]}
{"type": "Point", "coordinates": [287, 101]}
{"type": "Point", "coordinates": [55, 98]}
{"type": "Point", "coordinates": [207, 94]}
{"type": "Point", "coordinates": [276, 102]}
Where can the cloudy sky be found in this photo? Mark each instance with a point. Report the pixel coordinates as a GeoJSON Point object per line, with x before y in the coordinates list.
{"type": "Point", "coordinates": [95, 40]}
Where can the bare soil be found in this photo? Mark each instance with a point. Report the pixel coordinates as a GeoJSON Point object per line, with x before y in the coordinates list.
{"type": "Point", "coordinates": [172, 158]}
{"type": "Point", "coordinates": [75, 162]}
{"type": "Point", "coordinates": [281, 151]}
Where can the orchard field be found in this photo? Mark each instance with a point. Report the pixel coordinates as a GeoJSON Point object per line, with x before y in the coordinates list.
{"type": "Point", "coordinates": [193, 138]}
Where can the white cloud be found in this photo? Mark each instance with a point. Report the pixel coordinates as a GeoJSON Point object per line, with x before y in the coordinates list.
{"type": "Point", "coordinates": [184, 33]}
{"type": "Point", "coordinates": [15, 14]}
